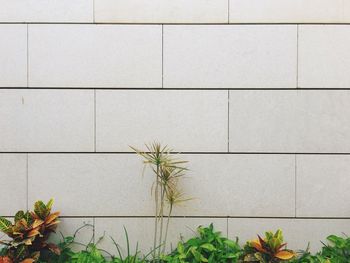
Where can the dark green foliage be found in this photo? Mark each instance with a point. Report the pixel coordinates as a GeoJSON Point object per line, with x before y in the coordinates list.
{"type": "Point", "coordinates": [338, 249]}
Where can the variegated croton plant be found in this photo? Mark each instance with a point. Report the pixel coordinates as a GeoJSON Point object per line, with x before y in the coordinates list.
{"type": "Point", "coordinates": [29, 234]}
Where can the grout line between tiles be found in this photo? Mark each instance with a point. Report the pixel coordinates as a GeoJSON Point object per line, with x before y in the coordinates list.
{"type": "Point", "coordinates": [27, 56]}
{"type": "Point", "coordinates": [180, 23]}
{"type": "Point", "coordinates": [228, 11]}
{"type": "Point", "coordinates": [192, 153]}
{"type": "Point", "coordinates": [227, 230]}
{"type": "Point", "coordinates": [93, 229]}
{"type": "Point", "coordinates": [162, 56]}
{"type": "Point", "coordinates": [94, 120]}
{"type": "Point", "coordinates": [297, 73]}
{"type": "Point", "coordinates": [182, 89]}
{"type": "Point", "coordinates": [93, 11]}
{"type": "Point", "coordinates": [228, 121]}
{"type": "Point", "coordinates": [295, 186]}
{"type": "Point", "coordinates": [27, 182]}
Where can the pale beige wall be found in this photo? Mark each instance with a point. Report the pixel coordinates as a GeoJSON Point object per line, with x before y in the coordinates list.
{"type": "Point", "coordinates": [256, 97]}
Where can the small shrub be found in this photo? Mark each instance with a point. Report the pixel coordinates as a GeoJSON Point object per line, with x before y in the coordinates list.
{"type": "Point", "coordinates": [29, 234]}
{"type": "Point", "coordinates": [338, 249]}
{"type": "Point", "coordinates": [208, 246]}
{"type": "Point", "coordinates": [268, 250]}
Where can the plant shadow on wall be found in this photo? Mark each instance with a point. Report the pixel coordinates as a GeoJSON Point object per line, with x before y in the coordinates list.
{"type": "Point", "coordinates": [29, 233]}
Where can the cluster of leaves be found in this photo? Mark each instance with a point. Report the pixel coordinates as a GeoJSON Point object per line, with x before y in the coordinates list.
{"type": "Point", "coordinates": [29, 234]}
{"type": "Point", "coordinates": [268, 249]}
{"type": "Point", "coordinates": [209, 246]}
{"type": "Point", "coordinates": [338, 249]}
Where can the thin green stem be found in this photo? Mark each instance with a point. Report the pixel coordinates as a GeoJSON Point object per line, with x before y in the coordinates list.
{"type": "Point", "coordinates": [161, 218]}
{"type": "Point", "coordinates": [156, 217]}
{"type": "Point", "coordinates": [167, 227]}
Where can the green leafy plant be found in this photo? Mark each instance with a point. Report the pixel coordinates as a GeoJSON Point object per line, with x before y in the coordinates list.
{"type": "Point", "coordinates": [167, 171]}
{"type": "Point", "coordinates": [129, 258]}
{"type": "Point", "coordinates": [307, 257]}
{"type": "Point", "coordinates": [29, 233]}
{"type": "Point", "coordinates": [268, 250]}
{"type": "Point", "coordinates": [338, 249]}
{"type": "Point", "coordinates": [209, 246]}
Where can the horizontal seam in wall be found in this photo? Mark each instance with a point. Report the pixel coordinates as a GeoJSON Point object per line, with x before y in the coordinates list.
{"type": "Point", "coordinates": [165, 89]}
{"type": "Point", "coordinates": [208, 153]}
{"type": "Point", "coordinates": [209, 217]}
{"type": "Point", "coordinates": [183, 24]}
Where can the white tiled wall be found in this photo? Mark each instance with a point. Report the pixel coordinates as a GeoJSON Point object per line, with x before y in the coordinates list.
{"type": "Point", "coordinates": [46, 11]}
{"type": "Point", "coordinates": [165, 11]}
{"type": "Point", "coordinates": [124, 56]}
{"type": "Point", "coordinates": [324, 56]}
{"type": "Point", "coordinates": [13, 55]}
{"type": "Point", "coordinates": [256, 99]}
{"type": "Point", "coordinates": [230, 56]}
{"type": "Point", "coordinates": [289, 11]}
{"type": "Point", "coordinates": [188, 121]}
{"type": "Point", "coordinates": [46, 120]}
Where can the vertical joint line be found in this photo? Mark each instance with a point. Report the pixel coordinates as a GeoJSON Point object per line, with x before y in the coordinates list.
{"type": "Point", "coordinates": [93, 229]}
{"type": "Point", "coordinates": [228, 11]}
{"type": "Point", "coordinates": [227, 226]}
{"type": "Point", "coordinates": [162, 55]}
{"type": "Point", "coordinates": [295, 185]}
{"type": "Point", "coordinates": [27, 56]}
{"type": "Point", "coordinates": [27, 182]}
{"type": "Point", "coordinates": [297, 75]}
{"type": "Point", "coordinates": [228, 120]}
{"type": "Point", "coordinates": [94, 120]}
{"type": "Point", "coordinates": [93, 11]}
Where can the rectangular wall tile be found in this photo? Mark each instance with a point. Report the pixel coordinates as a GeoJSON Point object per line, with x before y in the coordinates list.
{"type": "Point", "coordinates": [297, 232]}
{"type": "Point", "coordinates": [101, 185]}
{"type": "Point", "coordinates": [290, 121]}
{"type": "Point", "coordinates": [324, 57]}
{"type": "Point", "coordinates": [263, 121]}
{"type": "Point", "coordinates": [186, 120]}
{"type": "Point", "coordinates": [245, 183]}
{"type": "Point", "coordinates": [322, 185]}
{"type": "Point", "coordinates": [13, 55]}
{"type": "Point", "coordinates": [46, 11]}
{"type": "Point", "coordinates": [141, 230]}
{"type": "Point", "coordinates": [48, 121]}
{"type": "Point", "coordinates": [161, 11]}
{"type": "Point", "coordinates": [289, 11]}
{"type": "Point", "coordinates": [323, 121]}
{"type": "Point", "coordinates": [121, 174]}
{"type": "Point", "coordinates": [213, 56]}
{"type": "Point", "coordinates": [13, 174]}
{"type": "Point", "coordinates": [124, 56]}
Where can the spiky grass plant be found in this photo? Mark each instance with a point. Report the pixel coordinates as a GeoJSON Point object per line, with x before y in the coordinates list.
{"type": "Point", "coordinates": [168, 171]}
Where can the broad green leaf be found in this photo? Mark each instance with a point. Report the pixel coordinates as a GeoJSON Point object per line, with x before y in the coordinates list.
{"type": "Point", "coordinates": [208, 247]}
{"type": "Point", "coordinates": [4, 224]}
{"type": "Point", "coordinates": [19, 215]}
{"type": "Point", "coordinates": [40, 209]}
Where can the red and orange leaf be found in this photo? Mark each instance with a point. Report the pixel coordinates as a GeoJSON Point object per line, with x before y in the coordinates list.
{"type": "Point", "coordinates": [5, 260]}
{"type": "Point", "coordinates": [52, 217]}
{"type": "Point", "coordinates": [256, 244]}
{"type": "Point", "coordinates": [37, 223]}
{"type": "Point", "coordinates": [33, 233]}
{"type": "Point", "coordinates": [284, 255]}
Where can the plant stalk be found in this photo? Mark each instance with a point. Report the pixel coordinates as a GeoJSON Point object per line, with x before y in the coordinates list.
{"type": "Point", "coordinates": [156, 217]}
{"type": "Point", "coordinates": [167, 227]}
